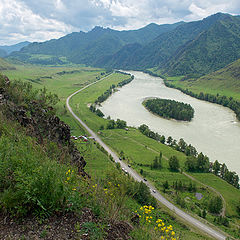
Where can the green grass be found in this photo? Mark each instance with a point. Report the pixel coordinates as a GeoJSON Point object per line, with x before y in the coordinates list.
{"type": "Point", "coordinates": [230, 193]}
{"type": "Point", "coordinates": [220, 82]}
{"type": "Point", "coordinates": [98, 163]}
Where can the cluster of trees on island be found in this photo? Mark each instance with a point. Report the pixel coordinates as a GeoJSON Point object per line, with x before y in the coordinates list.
{"type": "Point", "coordinates": [195, 162]}
{"type": "Point", "coordinates": [170, 109]}
{"type": "Point", "coordinates": [221, 100]}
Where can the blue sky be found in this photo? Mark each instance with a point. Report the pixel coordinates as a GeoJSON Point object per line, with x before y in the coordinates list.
{"type": "Point", "coordinates": [31, 20]}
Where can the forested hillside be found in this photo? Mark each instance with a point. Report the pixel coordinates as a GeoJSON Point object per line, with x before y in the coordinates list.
{"type": "Point", "coordinates": [209, 51]}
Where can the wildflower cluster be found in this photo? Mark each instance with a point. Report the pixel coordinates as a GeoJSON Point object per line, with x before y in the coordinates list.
{"type": "Point", "coordinates": [145, 213]}
{"type": "Point", "coordinates": [146, 216]}
{"type": "Point", "coordinates": [165, 231]}
{"type": "Point", "coordinates": [69, 177]}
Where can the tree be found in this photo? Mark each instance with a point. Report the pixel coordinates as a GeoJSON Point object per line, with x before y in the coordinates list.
{"type": "Point", "coordinates": [216, 167]}
{"type": "Point", "coordinates": [204, 213]}
{"type": "Point", "coordinates": [99, 113]}
{"type": "Point", "coordinates": [111, 124]}
{"type": "Point", "coordinates": [157, 163]}
{"type": "Point", "coordinates": [191, 164]}
{"type": "Point", "coordinates": [121, 124]}
{"type": "Point", "coordinates": [143, 128]}
{"type": "Point", "coordinates": [203, 163]}
{"type": "Point", "coordinates": [165, 186]}
{"type": "Point", "coordinates": [223, 170]}
{"type": "Point", "coordinates": [215, 205]}
{"type": "Point", "coordinates": [169, 140]}
{"type": "Point", "coordinates": [174, 163]}
{"type": "Point", "coordinates": [182, 145]}
{"type": "Point", "coordinates": [162, 139]}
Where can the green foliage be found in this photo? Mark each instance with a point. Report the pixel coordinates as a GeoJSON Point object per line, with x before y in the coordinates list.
{"type": "Point", "coordinates": [29, 180]}
{"type": "Point", "coordinates": [199, 163]}
{"type": "Point", "coordinates": [170, 109]}
{"type": "Point", "coordinates": [215, 205]}
{"type": "Point", "coordinates": [120, 124]}
{"type": "Point", "coordinates": [157, 162]}
{"type": "Point", "coordinates": [174, 163]}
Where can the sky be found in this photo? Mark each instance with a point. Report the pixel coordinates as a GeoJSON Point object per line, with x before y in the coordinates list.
{"type": "Point", "coordinates": [41, 20]}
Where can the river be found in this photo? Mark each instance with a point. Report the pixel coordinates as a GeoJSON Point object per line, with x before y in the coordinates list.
{"type": "Point", "coordinates": [214, 130]}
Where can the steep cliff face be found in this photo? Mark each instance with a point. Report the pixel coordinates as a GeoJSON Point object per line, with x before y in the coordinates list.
{"type": "Point", "coordinates": [33, 111]}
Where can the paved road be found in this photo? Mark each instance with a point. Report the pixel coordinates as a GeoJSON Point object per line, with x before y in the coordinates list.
{"type": "Point", "coordinates": [203, 227]}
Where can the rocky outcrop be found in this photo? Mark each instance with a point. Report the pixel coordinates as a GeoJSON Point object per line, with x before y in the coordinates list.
{"type": "Point", "coordinates": [40, 122]}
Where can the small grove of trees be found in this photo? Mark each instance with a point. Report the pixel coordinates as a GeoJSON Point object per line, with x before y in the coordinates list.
{"type": "Point", "coordinates": [179, 186]}
{"type": "Point", "coordinates": [197, 164]}
{"type": "Point", "coordinates": [173, 163]}
{"type": "Point", "coordinates": [215, 205]}
{"type": "Point", "coordinates": [111, 89]}
{"type": "Point", "coordinates": [95, 110]}
{"type": "Point", "coordinates": [121, 124]}
{"type": "Point", "coordinates": [222, 171]}
{"type": "Point", "coordinates": [170, 109]}
{"type": "Point", "coordinates": [157, 162]}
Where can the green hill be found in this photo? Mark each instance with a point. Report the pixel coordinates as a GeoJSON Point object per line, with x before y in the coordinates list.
{"type": "Point", "coordinates": [223, 81]}
{"type": "Point", "coordinates": [209, 51]}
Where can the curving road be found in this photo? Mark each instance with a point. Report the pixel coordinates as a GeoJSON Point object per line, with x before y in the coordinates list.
{"type": "Point", "coordinates": [203, 227]}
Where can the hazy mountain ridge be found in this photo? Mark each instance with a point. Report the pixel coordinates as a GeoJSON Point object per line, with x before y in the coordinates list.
{"type": "Point", "coordinates": [8, 49]}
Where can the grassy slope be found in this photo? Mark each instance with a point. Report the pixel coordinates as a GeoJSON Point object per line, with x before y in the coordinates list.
{"type": "Point", "coordinates": [224, 82]}
{"type": "Point", "coordinates": [96, 160]}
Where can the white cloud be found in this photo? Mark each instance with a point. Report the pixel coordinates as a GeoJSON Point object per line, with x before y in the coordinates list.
{"type": "Point", "coordinates": [18, 23]}
{"type": "Point", "coordinates": [45, 19]}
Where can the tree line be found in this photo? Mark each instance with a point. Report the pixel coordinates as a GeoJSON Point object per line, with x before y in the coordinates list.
{"type": "Point", "coordinates": [107, 94]}
{"type": "Point", "coordinates": [221, 100]}
{"type": "Point", "coordinates": [180, 146]}
{"type": "Point", "coordinates": [195, 162]}
{"type": "Point", "coordinates": [167, 108]}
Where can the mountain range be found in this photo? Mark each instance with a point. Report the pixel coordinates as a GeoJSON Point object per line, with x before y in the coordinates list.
{"type": "Point", "coordinates": [192, 48]}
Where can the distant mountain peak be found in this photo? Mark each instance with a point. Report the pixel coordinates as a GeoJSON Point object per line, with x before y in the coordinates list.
{"type": "Point", "coordinates": [217, 16]}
